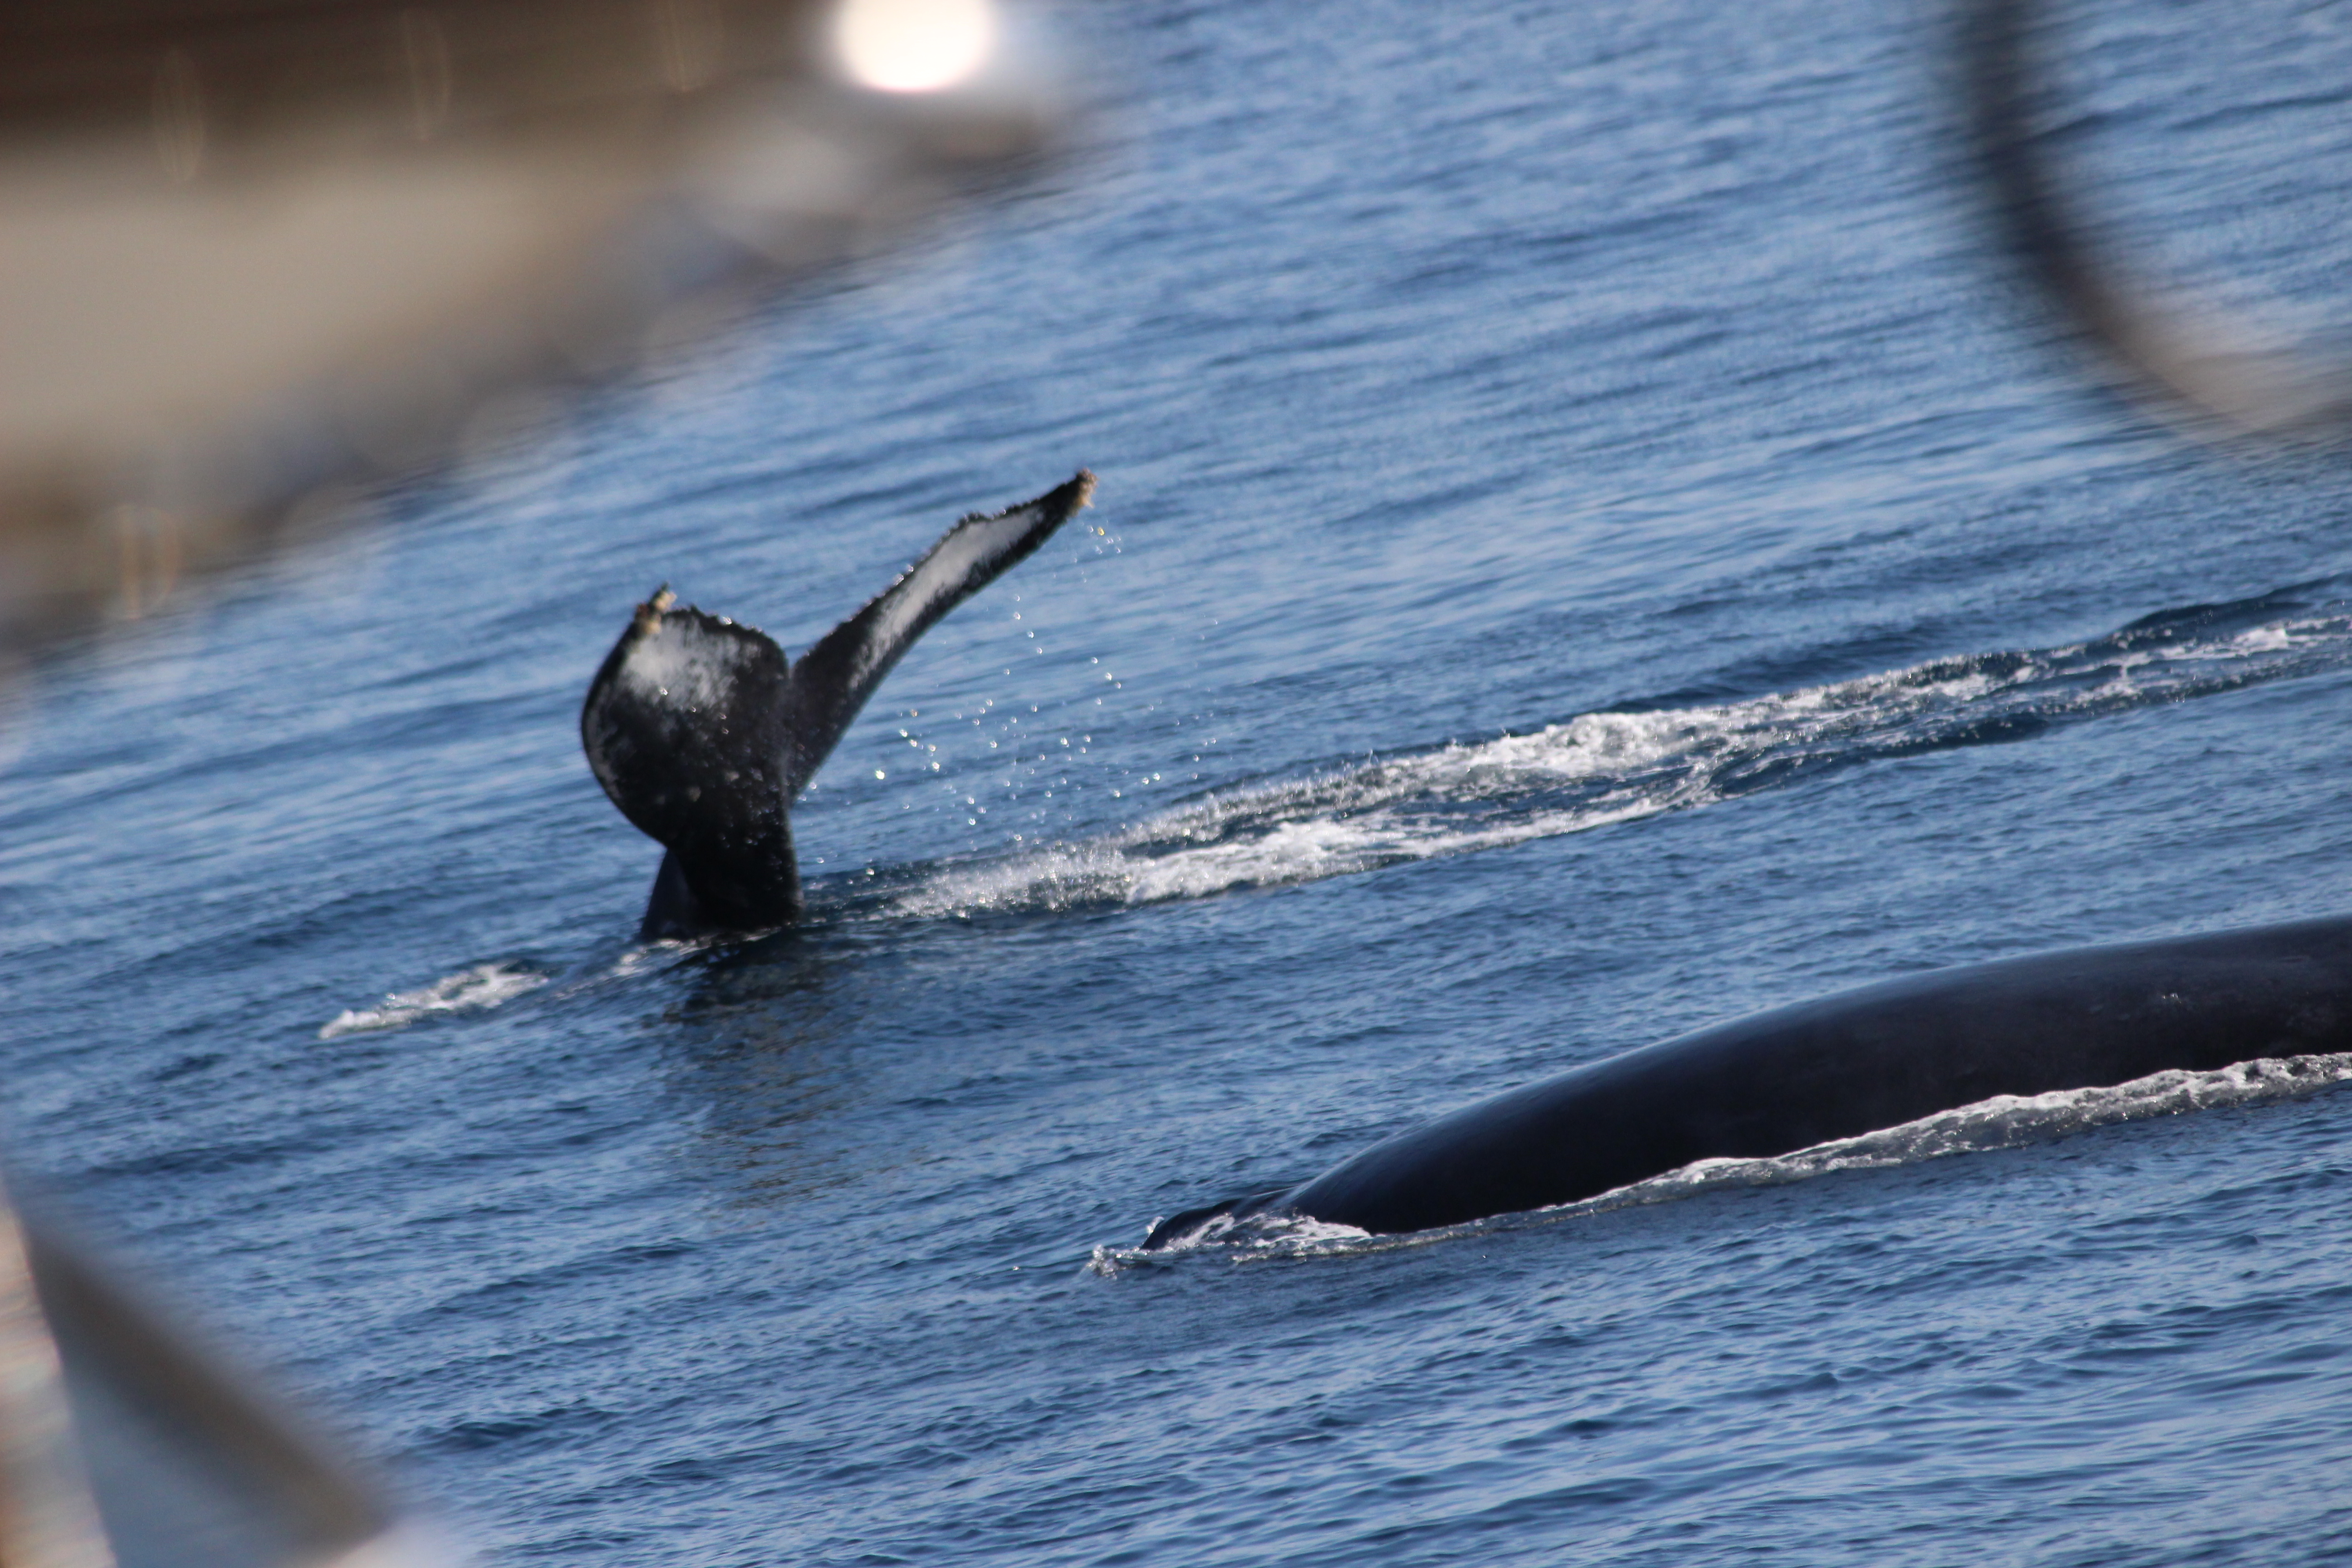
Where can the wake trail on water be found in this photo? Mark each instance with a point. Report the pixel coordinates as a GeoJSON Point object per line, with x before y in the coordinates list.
{"type": "Point", "coordinates": [475, 990]}
{"type": "Point", "coordinates": [2004, 1122]}
{"type": "Point", "coordinates": [484, 988]}
{"type": "Point", "coordinates": [1601, 768]}
{"type": "Point", "coordinates": [1582, 772]}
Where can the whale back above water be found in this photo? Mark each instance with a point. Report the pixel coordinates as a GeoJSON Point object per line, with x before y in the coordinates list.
{"type": "Point", "coordinates": [703, 732]}
{"type": "Point", "coordinates": [1841, 1067]}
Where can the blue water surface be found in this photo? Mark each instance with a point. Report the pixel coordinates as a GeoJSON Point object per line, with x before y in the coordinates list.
{"type": "Point", "coordinates": [1590, 542]}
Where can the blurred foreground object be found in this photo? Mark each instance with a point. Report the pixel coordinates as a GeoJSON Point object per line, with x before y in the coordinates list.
{"type": "Point", "coordinates": [252, 251]}
{"type": "Point", "coordinates": [256, 252]}
{"type": "Point", "coordinates": [122, 1447]}
{"type": "Point", "coordinates": [2223, 374]}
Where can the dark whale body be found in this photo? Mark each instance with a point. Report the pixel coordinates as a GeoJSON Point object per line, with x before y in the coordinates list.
{"type": "Point", "coordinates": [703, 733]}
{"type": "Point", "coordinates": [1846, 1065]}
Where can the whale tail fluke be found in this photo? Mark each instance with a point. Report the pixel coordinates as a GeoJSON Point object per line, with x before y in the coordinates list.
{"type": "Point", "coordinates": [832, 681]}
{"type": "Point", "coordinates": [686, 727]}
{"type": "Point", "coordinates": [703, 734]}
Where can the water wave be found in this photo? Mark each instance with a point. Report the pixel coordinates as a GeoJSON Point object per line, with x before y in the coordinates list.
{"type": "Point", "coordinates": [2004, 1122]}
{"type": "Point", "coordinates": [1607, 767]}
{"type": "Point", "coordinates": [475, 990]}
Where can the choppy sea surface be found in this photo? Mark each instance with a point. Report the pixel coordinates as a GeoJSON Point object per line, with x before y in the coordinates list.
{"type": "Point", "coordinates": [1591, 543]}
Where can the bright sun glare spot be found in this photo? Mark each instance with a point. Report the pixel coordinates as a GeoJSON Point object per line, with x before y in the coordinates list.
{"type": "Point", "coordinates": [914, 46]}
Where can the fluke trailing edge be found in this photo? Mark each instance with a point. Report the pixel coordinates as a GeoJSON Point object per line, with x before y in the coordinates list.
{"type": "Point", "coordinates": [1841, 1067]}
{"type": "Point", "coordinates": [703, 734]}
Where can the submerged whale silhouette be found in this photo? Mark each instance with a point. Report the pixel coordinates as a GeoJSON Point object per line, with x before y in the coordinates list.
{"type": "Point", "coordinates": [1841, 1067]}
{"type": "Point", "coordinates": [703, 734]}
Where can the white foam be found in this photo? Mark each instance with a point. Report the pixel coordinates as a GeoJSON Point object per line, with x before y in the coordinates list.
{"type": "Point", "coordinates": [1598, 769]}
{"type": "Point", "coordinates": [478, 989]}
{"type": "Point", "coordinates": [2265, 640]}
{"type": "Point", "coordinates": [661, 950]}
{"type": "Point", "coordinates": [2004, 1122]}
{"type": "Point", "coordinates": [1259, 1236]}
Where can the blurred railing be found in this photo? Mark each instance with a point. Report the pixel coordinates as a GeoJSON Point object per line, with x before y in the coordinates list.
{"type": "Point", "coordinates": [253, 252]}
{"type": "Point", "coordinates": [2187, 359]}
{"type": "Point", "coordinates": [256, 254]}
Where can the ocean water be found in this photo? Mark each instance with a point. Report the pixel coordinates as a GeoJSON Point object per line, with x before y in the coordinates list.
{"type": "Point", "coordinates": [1590, 542]}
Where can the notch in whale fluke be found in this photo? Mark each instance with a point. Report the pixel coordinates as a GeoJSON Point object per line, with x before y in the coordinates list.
{"type": "Point", "coordinates": [703, 733]}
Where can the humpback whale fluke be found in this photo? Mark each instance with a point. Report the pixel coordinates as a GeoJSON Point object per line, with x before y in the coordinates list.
{"type": "Point", "coordinates": [703, 733]}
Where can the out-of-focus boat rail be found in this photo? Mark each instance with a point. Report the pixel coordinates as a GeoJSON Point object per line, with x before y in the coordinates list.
{"type": "Point", "coordinates": [2213, 375]}
{"type": "Point", "coordinates": [257, 253]}
{"type": "Point", "coordinates": [124, 1443]}
{"type": "Point", "coordinates": [257, 70]}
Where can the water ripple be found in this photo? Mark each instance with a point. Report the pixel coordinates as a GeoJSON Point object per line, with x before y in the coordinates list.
{"type": "Point", "coordinates": [1599, 768]}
